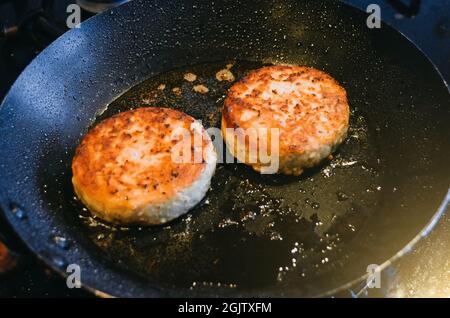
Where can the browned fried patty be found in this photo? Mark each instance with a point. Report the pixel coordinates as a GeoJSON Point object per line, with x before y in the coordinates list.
{"type": "Point", "coordinates": [123, 169]}
{"type": "Point", "coordinates": [308, 106]}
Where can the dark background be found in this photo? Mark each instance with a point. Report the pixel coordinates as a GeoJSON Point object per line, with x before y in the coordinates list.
{"type": "Point", "coordinates": [424, 272]}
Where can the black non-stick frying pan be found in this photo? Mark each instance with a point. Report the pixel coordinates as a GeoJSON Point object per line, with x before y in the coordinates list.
{"type": "Point", "coordinates": [253, 235]}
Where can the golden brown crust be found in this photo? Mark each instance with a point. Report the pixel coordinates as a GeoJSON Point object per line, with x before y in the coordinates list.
{"type": "Point", "coordinates": [308, 106]}
{"type": "Point", "coordinates": [124, 162]}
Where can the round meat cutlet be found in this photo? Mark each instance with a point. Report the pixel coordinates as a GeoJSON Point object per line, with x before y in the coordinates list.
{"type": "Point", "coordinates": [308, 107]}
{"type": "Point", "coordinates": [125, 172]}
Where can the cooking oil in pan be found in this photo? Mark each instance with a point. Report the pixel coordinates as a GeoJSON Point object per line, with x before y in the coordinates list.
{"type": "Point", "coordinates": [250, 231]}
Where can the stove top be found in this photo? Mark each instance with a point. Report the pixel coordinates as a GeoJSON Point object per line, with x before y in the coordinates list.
{"type": "Point", "coordinates": [28, 26]}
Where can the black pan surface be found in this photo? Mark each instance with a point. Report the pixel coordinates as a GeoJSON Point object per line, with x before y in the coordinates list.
{"type": "Point", "coordinates": [253, 235]}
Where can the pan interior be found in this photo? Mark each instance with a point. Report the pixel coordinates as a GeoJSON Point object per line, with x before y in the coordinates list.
{"type": "Point", "coordinates": [251, 231]}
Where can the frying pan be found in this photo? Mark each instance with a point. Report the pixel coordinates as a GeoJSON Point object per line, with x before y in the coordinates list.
{"type": "Point", "coordinates": [253, 235]}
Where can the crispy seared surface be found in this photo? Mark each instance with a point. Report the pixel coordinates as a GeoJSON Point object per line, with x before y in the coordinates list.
{"type": "Point", "coordinates": [307, 105]}
{"type": "Point", "coordinates": [124, 163]}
